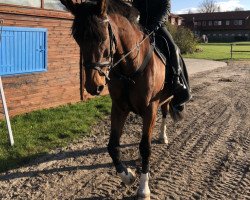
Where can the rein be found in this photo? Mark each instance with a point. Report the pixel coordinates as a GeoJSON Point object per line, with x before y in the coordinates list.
{"type": "Point", "coordinates": [137, 46]}
{"type": "Point", "coordinates": [110, 64]}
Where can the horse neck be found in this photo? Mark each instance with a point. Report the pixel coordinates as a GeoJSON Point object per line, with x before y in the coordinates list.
{"type": "Point", "coordinates": [129, 35]}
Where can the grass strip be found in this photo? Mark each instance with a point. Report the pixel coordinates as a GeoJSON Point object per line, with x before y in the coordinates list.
{"type": "Point", "coordinates": [39, 132]}
{"type": "Point", "coordinates": [221, 51]}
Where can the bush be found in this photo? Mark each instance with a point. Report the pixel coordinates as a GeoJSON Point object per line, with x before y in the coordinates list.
{"type": "Point", "coordinates": [183, 37]}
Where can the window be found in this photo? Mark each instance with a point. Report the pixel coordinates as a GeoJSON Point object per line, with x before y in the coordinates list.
{"type": "Point", "coordinates": [173, 21]}
{"type": "Point", "coordinates": [33, 3]}
{"type": "Point", "coordinates": [199, 23]}
{"type": "Point", "coordinates": [204, 23]}
{"type": "Point", "coordinates": [210, 23]}
{"type": "Point", "coordinates": [246, 34]}
{"type": "Point", "coordinates": [214, 34]}
{"type": "Point", "coordinates": [197, 33]}
{"type": "Point", "coordinates": [217, 23]}
{"type": "Point", "coordinates": [53, 4]}
{"type": "Point", "coordinates": [238, 22]}
{"type": "Point", "coordinates": [47, 4]}
{"type": "Point", "coordinates": [227, 22]}
{"type": "Point", "coordinates": [179, 22]}
{"type": "Point", "coordinates": [227, 34]}
{"type": "Point", "coordinates": [23, 50]}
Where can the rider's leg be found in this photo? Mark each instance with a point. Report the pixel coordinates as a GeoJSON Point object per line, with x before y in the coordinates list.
{"type": "Point", "coordinates": [180, 87]}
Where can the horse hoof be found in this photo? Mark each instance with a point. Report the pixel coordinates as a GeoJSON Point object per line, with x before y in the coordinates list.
{"type": "Point", "coordinates": [143, 192]}
{"type": "Point", "coordinates": [143, 196]}
{"type": "Point", "coordinates": [127, 179]}
{"type": "Point", "coordinates": [163, 140]}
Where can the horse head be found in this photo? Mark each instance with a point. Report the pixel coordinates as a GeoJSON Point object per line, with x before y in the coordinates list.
{"type": "Point", "coordinates": [92, 31]}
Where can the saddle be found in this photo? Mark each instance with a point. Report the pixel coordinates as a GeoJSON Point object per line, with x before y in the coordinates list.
{"type": "Point", "coordinates": [162, 50]}
{"type": "Point", "coordinates": [160, 47]}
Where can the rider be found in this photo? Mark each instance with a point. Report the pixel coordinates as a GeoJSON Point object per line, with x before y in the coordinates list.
{"type": "Point", "coordinates": [153, 14]}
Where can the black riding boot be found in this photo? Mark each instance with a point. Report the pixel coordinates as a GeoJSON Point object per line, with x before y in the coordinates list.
{"type": "Point", "coordinates": [180, 88]}
{"type": "Point", "coordinates": [180, 91]}
{"type": "Point", "coordinates": [175, 78]}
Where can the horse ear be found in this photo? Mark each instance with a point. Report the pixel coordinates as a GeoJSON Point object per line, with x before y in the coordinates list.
{"type": "Point", "coordinates": [102, 7]}
{"type": "Point", "coordinates": [70, 6]}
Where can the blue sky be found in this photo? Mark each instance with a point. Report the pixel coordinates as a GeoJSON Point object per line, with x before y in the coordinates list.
{"type": "Point", "coordinates": [183, 6]}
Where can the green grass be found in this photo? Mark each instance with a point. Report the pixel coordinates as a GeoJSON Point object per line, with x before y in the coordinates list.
{"type": "Point", "coordinates": [220, 51]}
{"type": "Point", "coordinates": [38, 132]}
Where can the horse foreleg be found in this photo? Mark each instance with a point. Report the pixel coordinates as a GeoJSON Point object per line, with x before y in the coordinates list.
{"type": "Point", "coordinates": [163, 135]}
{"type": "Point", "coordinates": [118, 118]}
{"type": "Point", "coordinates": [145, 151]}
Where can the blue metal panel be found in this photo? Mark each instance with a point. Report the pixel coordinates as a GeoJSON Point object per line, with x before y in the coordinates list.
{"type": "Point", "coordinates": [23, 50]}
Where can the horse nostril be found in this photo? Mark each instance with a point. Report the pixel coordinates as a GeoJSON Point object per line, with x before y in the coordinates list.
{"type": "Point", "coordinates": [100, 89]}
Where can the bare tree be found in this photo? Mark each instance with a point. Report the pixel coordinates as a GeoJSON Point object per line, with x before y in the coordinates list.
{"type": "Point", "coordinates": [209, 6]}
{"type": "Point", "coordinates": [239, 9]}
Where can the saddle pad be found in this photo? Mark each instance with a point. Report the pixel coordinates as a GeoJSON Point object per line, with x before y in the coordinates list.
{"type": "Point", "coordinates": [160, 55]}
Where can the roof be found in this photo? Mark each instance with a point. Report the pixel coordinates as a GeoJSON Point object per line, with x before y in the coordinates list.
{"type": "Point", "coordinates": [175, 16]}
{"type": "Point", "coordinates": [217, 15]}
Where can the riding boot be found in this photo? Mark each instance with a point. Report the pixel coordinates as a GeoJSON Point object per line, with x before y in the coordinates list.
{"type": "Point", "coordinates": [176, 80]}
{"type": "Point", "coordinates": [180, 87]}
{"type": "Point", "coordinates": [180, 91]}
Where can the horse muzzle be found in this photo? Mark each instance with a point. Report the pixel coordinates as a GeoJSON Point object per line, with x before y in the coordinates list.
{"type": "Point", "coordinates": [95, 91]}
{"type": "Point", "coordinates": [99, 89]}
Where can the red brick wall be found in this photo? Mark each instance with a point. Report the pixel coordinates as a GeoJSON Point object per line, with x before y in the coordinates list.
{"type": "Point", "coordinates": [61, 83]}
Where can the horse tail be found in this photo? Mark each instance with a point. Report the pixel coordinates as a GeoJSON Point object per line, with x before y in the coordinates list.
{"type": "Point", "coordinates": [176, 115]}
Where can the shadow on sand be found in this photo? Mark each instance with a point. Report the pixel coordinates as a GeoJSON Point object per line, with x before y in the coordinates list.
{"type": "Point", "coordinates": [62, 156]}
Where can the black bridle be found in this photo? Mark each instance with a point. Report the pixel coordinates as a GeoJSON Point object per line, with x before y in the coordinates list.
{"type": "Point", "coordinates": [98, 66]}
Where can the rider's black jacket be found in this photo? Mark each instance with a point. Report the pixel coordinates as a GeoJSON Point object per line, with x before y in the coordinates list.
{"type": "Point", "coordinates": [152, 12]}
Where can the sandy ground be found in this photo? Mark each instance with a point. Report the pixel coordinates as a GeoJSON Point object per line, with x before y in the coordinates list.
{"type": "Point", "coordinates": [208, 156]}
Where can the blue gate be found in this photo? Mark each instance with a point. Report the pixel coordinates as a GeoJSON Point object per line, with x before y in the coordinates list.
{"type": "Point", "coordinates": [23, 50]}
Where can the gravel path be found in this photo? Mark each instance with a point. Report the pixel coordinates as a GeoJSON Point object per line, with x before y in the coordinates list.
{"type": "Point", "coordinates": [208, 156]}
{"type": "Point", "coordinates": [200, 65]}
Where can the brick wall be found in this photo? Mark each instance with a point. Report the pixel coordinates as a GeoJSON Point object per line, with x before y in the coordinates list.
{"type": "Point", "coordinates": [61, 83]}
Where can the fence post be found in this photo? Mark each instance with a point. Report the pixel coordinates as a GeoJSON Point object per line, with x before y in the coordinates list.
{"type": "Point", "coordinates": [231, 51]}
{"type": "Point", "coordinates": [6, 113]}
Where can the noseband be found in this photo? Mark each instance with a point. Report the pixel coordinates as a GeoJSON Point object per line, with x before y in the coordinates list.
{"type": "Point", "coordinates": [98, 66]}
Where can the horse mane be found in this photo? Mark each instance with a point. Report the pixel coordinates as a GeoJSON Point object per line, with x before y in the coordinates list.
{"type": "Point", "coordinates": [122, 8]}
{"type": "Point", "coordinates": [85, 24]}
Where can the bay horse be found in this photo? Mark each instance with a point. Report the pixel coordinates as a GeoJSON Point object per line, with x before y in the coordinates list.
{"type": "Point", "coordinates": [116, 51]}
